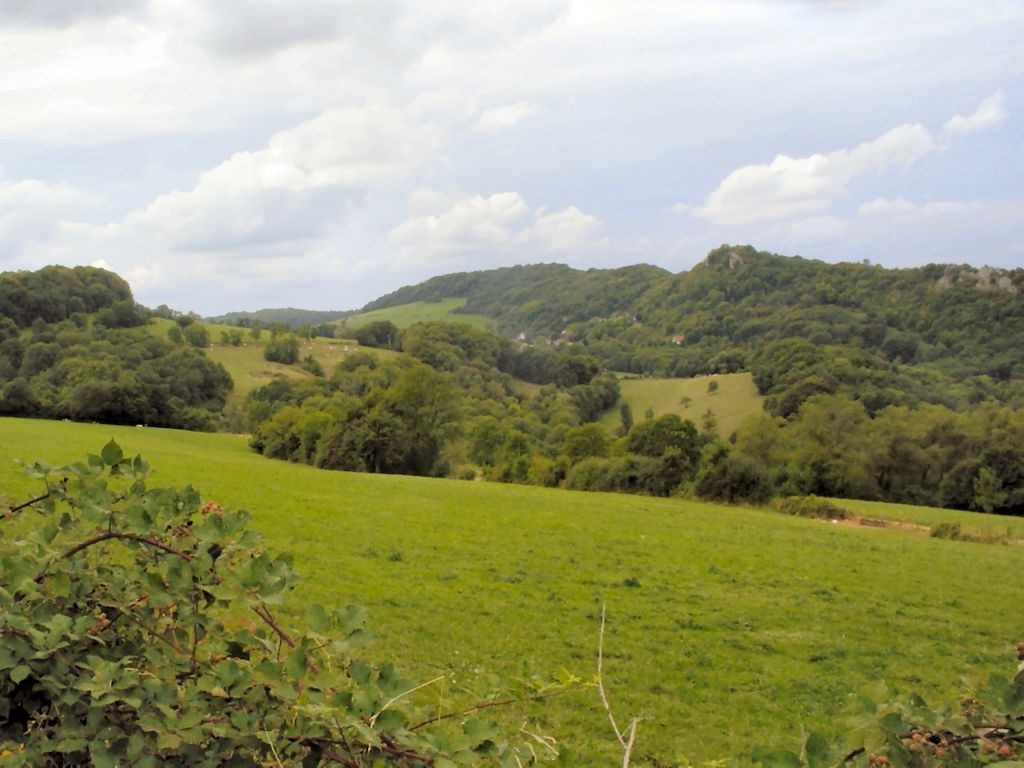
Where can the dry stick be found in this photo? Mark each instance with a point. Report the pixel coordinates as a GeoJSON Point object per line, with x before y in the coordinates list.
{"type": "Point", "coordinates": [627, 745]}
{"type": "Point", "coordinates": [393, 699]}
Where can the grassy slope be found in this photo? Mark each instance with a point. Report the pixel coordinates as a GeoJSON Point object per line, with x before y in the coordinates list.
{"type": "Point", "coordinates": [735, 400]}
{"type": "Point", "coordinates": [405, 315]}
{"type": "Point", "coordinates": [744, 625]}
{"type": "Point", "coordinates": [250, 370]}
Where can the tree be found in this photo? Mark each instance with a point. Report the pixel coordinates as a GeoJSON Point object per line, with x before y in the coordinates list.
{"type": "Point", "coordinates": [584, 442]}
{"type": "Point", "coordinates": [379, 333]}
{"type": "Point", "coordinates": [282, 348]}
{"type": "Point", "coordinates": [195, 334]}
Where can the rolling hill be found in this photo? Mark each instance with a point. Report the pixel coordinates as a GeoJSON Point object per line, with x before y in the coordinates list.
{"type": "Point", "coordinates": [728, 627]}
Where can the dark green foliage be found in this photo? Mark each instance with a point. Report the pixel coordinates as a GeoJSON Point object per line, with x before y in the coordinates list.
{"type": "Point", "coordinates": [623, 474]}
{"type": "Point", "coordinates": [52, 294]}
{"type": "Point", "coordinates": [312, 365]}
{"type": "Point", "coordinates": [929, 455]}
{"type": "Point", "coordinates": [142, 626]}
{"type": "Point", "coordinates": [734, 479]}
{"type": "Point", "coordinates": [282, 348]}
{"type": "Point", "coordinates": [540, 299]}
{"type": "Point", "coordinates": [812, 506]}
{"type": "Point", "coordinates": [118, 376]}
{"type": "Point", "coordinates": [884, 337]}
{"type": "Point", "coordinates": [393, 418]}
{"type": "Point", "coordinates": [380, 333]}
{"type": "Point", "coordinates": [195, 334]}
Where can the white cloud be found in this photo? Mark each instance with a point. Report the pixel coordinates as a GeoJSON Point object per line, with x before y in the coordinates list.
{"type": "Point", "coordinates": [478, 230]}
{"type": "Point", "coordinates": [499, 118]}
{"type": "Point", "coordinates": [60, 13]}
{"type": "Point", "coordinates": [290, 190]}
{"type": "Point", "coordinates": [31, 215]}
{"type": "Point", "coordinates": [803, 186]}
{"type": "Point", "coordinates": [791, 187]}
{"type": "Point", "coordinates": [990, 113]}
{"type": "Point", "coordinates": [946, 211]}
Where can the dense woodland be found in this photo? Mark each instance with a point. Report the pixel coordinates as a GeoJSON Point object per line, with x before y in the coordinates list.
{"type": "Point", "coordinates": [74, 347]}
{"type": "Point", "coordinates": [898, 385]}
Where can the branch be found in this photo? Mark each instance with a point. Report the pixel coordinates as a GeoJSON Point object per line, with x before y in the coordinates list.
{"type": "Point", "coordinates": [12, 511]}
{"type": "Point", "coordinates": [170, 643]}
{"type": "Point", "coordinates": [460, 713]}
{"type": "Point", "coordinates": [485, 705]}
{"type": "Point", "coordinates": [263, 613]}
{"type": "Point", "coordinates": [101, 537]}
{"type": "Point", "coordinates": [629, 746]}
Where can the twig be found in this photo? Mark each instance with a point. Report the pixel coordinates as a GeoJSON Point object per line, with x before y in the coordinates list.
{"type": "Point", "coordinates": [629, 746]}
{"type": "Point", "coordinates": [101, 537]}
{"type": "Point", "coordinates": [400, 696]}
{"type": "Point", "coordinates": [626, 744]}
{"type": "Point", "coordinates": [264, 613]}
{"type": "Point", "coordinates": [600, 681]}
{"type": "Point", "coordinates": [12, 511]}
{"type": "Point", "coordinates": [460, 713]}
{"type": "Point", "coordinates": [154, 633]}
{"type": "Point", "coordinates": [273, 750]}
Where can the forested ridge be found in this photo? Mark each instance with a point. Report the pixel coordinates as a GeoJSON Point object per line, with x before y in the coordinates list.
{"type": "Point", "coordinates": [896, 385]}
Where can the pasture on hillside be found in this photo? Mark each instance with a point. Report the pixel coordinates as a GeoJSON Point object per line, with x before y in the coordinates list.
{"type": "Point", "coordinates": [419, 311]}
{"type": "Point", "coordinates": [735, 399]}
{"type": "Point", "coordinates": [728, 627]}
{"type": "Point", "coordinates": [249, 369]}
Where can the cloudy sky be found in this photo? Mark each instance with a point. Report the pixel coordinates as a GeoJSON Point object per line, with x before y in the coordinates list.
{"type": "Point", "coordinates": [319, 153]}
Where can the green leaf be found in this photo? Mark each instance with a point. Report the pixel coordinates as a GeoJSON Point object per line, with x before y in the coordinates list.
{"type": "Point", "coordinates": [111, 453]}
{"type": "Point", "coordinates": [20, 672]}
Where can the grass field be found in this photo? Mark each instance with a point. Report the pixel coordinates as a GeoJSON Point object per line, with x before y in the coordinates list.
{"type": "Point", "coordinates": [418, 311]}
{"type": "Point", "coordinates": [250, 370]}
{"type": "Point", "coordinates": [736, 399]}
{"type": "Point", "coordinates": [727, 627]}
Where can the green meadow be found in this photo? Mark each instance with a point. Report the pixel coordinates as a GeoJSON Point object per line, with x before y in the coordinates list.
{"type": "Point", "coordinates": [250, 370]}
{"type": "Point", "coordinates": [420, 311]}
{"type": "Point", "coordinates": [728, 627]}
{"type": "Point", "coordinates": [735, 399]}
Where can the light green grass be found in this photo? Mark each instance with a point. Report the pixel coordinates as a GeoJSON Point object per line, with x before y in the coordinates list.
{"type": "Point", "coordinates": [250, 370]}
{"type": "Point", "coordinates": [975, 522]}
{"type": "Point", "coordinates": [420, 311]}
{"type": "Point", "coordinates": [744, 625]}
{"type": "Point", "coordinates": [736, 399]}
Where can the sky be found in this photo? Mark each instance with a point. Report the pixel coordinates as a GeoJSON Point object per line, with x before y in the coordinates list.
{"type": "Point", "coordinates": [320, 153]}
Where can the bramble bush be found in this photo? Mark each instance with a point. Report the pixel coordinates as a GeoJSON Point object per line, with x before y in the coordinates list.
{"type": "Point", "coordinates": [140, 627]}
{"type": "Point", "coordinates": [986, 729]}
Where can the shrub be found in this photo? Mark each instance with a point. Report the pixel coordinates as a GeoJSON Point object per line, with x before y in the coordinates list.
{"type": "Point", "coordinates": [282, 349]}
{"type": "Point", "coordinates": [812, 506]}
{"type": "Point", "coordinates": [734, 479]}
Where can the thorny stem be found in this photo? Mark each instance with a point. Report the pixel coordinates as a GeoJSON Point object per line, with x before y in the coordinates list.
{"type": "Point", "coordinates": [12, 511]}
{"type": "Point", "coordinates": [101, 537]}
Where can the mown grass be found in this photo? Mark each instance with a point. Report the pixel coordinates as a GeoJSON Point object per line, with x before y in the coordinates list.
{"type": "Point", "coordinates": [419, 311]}
{"type": "Point", "coordinates": [735, 399]}
{"type": "Point", "coordinates": [727, 627]}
